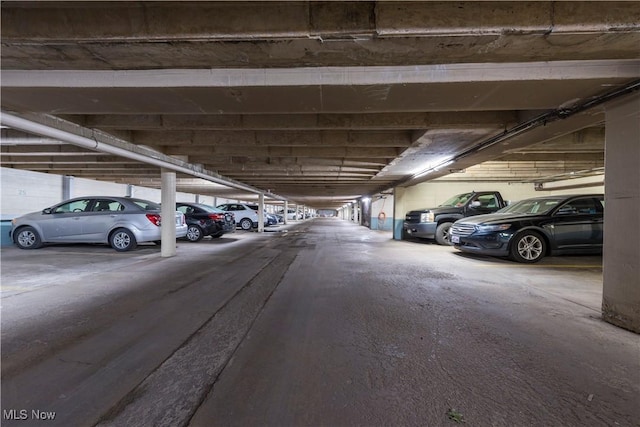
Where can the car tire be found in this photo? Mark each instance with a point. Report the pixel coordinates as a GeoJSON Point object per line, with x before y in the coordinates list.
{"type": "Point", "coordinates": [194, 233]}
{"type": "Point", "coordinates": [528, 247]}
{"type": "Point", "coordinates": [246, 224]}
{"type": "Point", "coordinates": [442, 233]}
{"type": "Point", "coordinates": [216, 235]}
{"type": "Point", "coordinates": [122, 240]}
{"type": "Point", "coordinates": [27, 238]}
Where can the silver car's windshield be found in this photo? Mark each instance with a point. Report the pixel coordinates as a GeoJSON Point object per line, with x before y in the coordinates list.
{"type": "Point", "coordinates": [531, 206]}
{"type": "Point", "coordinates": [458, 200]}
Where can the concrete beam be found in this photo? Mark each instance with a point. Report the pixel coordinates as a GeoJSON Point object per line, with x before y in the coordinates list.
{"type": "Point", "coordinates": [219, 21]}
{"type": "Point", "coordinates": [350, 152]}
{"type": "Point", "coordinates": [356, 121]}
{"type": "Point", "coordinates": [325, 138]}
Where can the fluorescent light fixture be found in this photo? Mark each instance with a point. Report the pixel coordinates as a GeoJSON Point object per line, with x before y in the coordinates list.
{"type": "Point", "coordinates": [433, 167]}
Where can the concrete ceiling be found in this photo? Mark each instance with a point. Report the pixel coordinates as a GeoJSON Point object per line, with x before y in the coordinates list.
{"type": "Point", "coordinates": [317, 102]}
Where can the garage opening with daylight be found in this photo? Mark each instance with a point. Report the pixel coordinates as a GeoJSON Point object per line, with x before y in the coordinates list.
{"type": "Point", "coordinates": [320, 213]}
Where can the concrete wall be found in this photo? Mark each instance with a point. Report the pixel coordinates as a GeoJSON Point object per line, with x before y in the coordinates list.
{"type": "Point", "coordinates": [382, 213]}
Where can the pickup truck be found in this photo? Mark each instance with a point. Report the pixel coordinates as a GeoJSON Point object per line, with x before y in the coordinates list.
{"type": "Point", "coordinates": [430, 223]}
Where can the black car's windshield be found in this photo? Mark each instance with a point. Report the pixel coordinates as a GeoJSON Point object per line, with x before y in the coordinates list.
{"type": "Point", "coordinates": [458, 200]}
{"type": "Point", "coordinates": [146, 205]}
{"type": "Point", "coordinates": [531, 206]}
{"type": "Point", "coordinates": [210, 209]}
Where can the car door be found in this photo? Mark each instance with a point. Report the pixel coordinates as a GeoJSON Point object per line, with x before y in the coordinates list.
{"type": "Point", "coordinates": [101, 218]}
{"type": "Point", "coordinates": [579, 224]}
{"type": "Point", "coordinates": [64, 223]}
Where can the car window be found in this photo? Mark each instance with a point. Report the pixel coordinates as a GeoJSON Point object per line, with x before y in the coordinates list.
{"type": "Point", "coordinates": [74, 206]}
{"type": "Point", "coordinates": [146, 205]}
{"type": "Point", "coordinates": [531, 206]}
{"type": "Point", "coordinates": [487, 201]}
{"type": "Point", "coordinates": [210, 209]}
{"type": "Point", "coordinates": [185, 209]}
{"type": "Point", "coordinates": [458, 200]}
{"type": "Point", "coordinates": [585, 206]}
{"type": "Point", "coordinates": [105, 205]}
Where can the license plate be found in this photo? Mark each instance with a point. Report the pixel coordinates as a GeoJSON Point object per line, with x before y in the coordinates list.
{"type": "Point", "coordinates": [455, 239]}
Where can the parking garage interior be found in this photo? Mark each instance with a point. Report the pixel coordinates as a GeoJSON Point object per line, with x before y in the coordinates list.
{"type": "Point", "coordinates": [353, 113]}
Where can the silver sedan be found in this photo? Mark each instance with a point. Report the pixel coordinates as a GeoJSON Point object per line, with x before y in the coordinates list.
{"type": "Point", "coordinates": [121, 222]}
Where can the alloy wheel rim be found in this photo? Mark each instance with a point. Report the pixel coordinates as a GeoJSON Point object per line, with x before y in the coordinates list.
{"type": "Point", "coordinates": [121, 240]}
{"type": "Point", "coordinates": [530, 247]}
{"type": "Point", "coordinates": [27, 238]}
{"type": "Point", "coordinates": [193, 233]}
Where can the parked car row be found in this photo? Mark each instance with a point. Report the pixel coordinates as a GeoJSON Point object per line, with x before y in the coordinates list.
{"type": "Point", "coordinates": [525, 231]}
{"type": "Point", "coordinates": [123, 222]}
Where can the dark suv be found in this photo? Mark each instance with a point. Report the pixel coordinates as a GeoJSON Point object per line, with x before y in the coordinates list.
{"type": "Point", "coordinates": [204, 220]}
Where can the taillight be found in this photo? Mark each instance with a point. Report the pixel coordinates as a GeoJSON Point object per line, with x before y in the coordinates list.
{"type": "Point", "coordinates": [154, 218]}
{"type": "Point", "coordinates": [216, 216]}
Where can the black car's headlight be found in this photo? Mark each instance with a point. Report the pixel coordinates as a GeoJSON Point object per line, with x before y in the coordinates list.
{"type": "Point", "coordinates": [496, 227]}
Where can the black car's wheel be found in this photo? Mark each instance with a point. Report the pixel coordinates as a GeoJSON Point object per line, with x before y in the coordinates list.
{"type": "Point", "coordinates": [246, 224]}
{"type": "Point", "coordinates": [194, 233]}
{"type": "Point", "coordinates": [218, 234]}
{"type": "Point", "coordinates": [27, 238]}
{"type": "Point", "coordinates": [442, 233]}
{"type": "Point", "coordinates": [528, 247]}
{"type": "Point", "coordinates": [122, 240]}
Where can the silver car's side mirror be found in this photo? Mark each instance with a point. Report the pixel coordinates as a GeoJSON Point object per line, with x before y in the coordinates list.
{"type": "Point", "coordinates": [46, 211]}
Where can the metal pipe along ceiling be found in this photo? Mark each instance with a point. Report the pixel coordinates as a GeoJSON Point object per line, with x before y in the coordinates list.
{"type": "Point", "coordinates": [161, 160]}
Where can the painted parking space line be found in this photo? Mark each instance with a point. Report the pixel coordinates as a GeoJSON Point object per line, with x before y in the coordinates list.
{"type": "Point", "coordinates": [14, 288]}
{"type": "Point", "coordinates": [543, 265]}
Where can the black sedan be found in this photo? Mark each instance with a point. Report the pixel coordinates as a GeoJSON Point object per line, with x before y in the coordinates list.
{"type": "Point", "coordinates": [528, 230]}
{"type": "Point", "coordinates": [204, 220]}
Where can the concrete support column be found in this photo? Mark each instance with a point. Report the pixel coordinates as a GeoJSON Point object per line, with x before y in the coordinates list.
{"type": "Point", "coordinates": [286, 211]}
{"type": "Point", "coordinates": [67, 187]}
{"type": "Point", "coordinates": [399, 211]}
{"type": "Point", "coordinates": [261, 213]}
{"type": "Point", "coordinates": [621, 290]}
{"type": "Point", "coordinates": [129, 190]}
{"type": "Point", "coordinates": [168, 201]}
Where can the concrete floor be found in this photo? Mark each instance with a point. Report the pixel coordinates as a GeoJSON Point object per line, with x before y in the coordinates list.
{"type": "Point", "coordinates": [317, 323]}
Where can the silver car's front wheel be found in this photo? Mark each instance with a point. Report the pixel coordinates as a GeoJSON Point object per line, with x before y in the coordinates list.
{"type": "Point", "coordinates": [122, 240]}
{"type": "Point", "coordinates": [528, 247]}
{"type": "Point", "coordinates": [28, 238]}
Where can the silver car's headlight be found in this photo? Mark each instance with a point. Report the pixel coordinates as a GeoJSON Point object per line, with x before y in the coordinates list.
{"type": "Point", "coordinates": [497, 227]}
{"type": "Point", "coordinates": [426, 217]}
